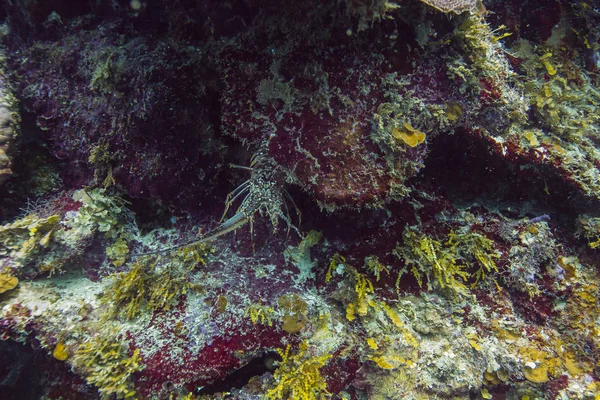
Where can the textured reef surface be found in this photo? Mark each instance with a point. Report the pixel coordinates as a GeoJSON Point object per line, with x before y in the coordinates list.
{"type": "Point", "coordinates": [350, 199]}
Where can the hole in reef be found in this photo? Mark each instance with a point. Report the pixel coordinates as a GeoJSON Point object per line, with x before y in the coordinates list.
{"type": "Point", "coordinates": [241, 377]}
{"type": "Point", "coordinates": [470, 174]}
{"type": "Point", "coordinates": [36, 172]}
{"type": "Point", "coordinates": [28, 373]}
{"type": "Point", "coordinates": [149, 213]}
{"type": "Point", "coordinates": [18, 376]}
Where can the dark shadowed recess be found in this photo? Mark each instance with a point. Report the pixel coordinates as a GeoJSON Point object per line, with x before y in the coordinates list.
{"type": "Point", "coordinates": [31, 149]}
{"type": "Point", "coordinates": [19, 379]}
{"type": "Point", "coordinates": [240, 378]}
{"type": "Point", "coordinates": [29, 374]}
{"type": "Point", "coordinates": [471, 174]}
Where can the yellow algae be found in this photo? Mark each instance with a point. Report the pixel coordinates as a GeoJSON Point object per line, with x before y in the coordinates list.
{"type": "Point", "coordinates": [389, 362]}
{"type": "Point", "coordinates": [60, 352]}
{"type": "Point", "coordinates": [454, 112]}
{"type": "Point", "coordinates": [475, 345]}
{"type": "Point", "coordinates": [260, 313]}
{"type": "Point", "coordinates": [221, 304]}
{"type": "Point", "coordinates": [8, 282]}
{"type": "Point", "coordinates": [547, 64]}
{"type": "Point", "coordinates": [350, 314]}
{"type": "Point", "coordinates": [531, 138]}
{"type": "Point", "coordinates": [372, 344]}
{"type": "Point", "coordinates": [409, 135]}
{"type": "Point", "coordinates": [374, 266]}
{"type": "Point", "coordinates": [294, 310]}
{"type": "Point", "coordinates": [491, 377]}
{"type": "Point", "coordinates": [299, 376]}
{"type": "Point", "coordinates": [538, 374]}
{"type": "Point", "coordinates": [572, 365]}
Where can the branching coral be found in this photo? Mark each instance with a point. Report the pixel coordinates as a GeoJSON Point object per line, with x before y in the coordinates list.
{"type": "Point", "coordinates": [446, 263]}
{"type": "Point", "coordinates": [299, 376]}
{"type": "Point", "coordinates": [426, 256]}
{"type": "Point", "coordinates": [363, 288]}
{"type": "Point", "coordinates": [364, 304]}
{"type": "Point", "coordinates": [373, 265]}
{"type": "Point", "coordinates": [151, 284]}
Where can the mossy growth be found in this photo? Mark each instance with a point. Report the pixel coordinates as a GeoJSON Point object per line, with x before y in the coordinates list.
{"type": "Point", "coordinates": [298, 376]}
{"type": "Point", "coordinates": [562, 95]}
{"type": "Point", "coordinates": [41, 175]}
{"type": "Point", "coordinates": [109, 68]}
{"type": "Point", "coordinates": [153, 282]}
{"type": "Point", "coordinates": [28, 237]}
{"type": "Point", "coordinates": [446, 264]}
{"type": "Point", "coordinates": [50, 243]}
{"type": "Point", "coordinates": [566, 108]}
{"type": "Point", "coordinates": [404, 118]}
{"type": "Point", "coordinates": [106, 362]}
{"type": "Point", "coordinates": [564, 100]}
{"type": "Point", "coordinates": [104, 214]}
{"type": "Point", "coordinates": [481, 45]}
{"type": "Point", "coordinates": [457, 6]}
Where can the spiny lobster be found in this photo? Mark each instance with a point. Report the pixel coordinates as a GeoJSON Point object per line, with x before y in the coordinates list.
{"type": "Point", "coordinates": [262, 193]}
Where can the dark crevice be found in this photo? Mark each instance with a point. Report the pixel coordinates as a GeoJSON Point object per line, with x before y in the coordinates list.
{"type": "Point", "coordinates": [26, 373]}
{"type": "Point", "coordinates": [31, 159]}
{"type": "Point", "coordinates": [241, 377]}
{"type": "Point", "coordinates": [472, 174]}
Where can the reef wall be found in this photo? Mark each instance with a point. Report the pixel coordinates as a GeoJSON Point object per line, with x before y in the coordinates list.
{"type": "Point", "coordinates": [299, 200]}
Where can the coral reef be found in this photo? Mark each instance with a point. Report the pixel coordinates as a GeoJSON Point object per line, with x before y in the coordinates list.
{"type": "Point", "coordinates": [300, 200]}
